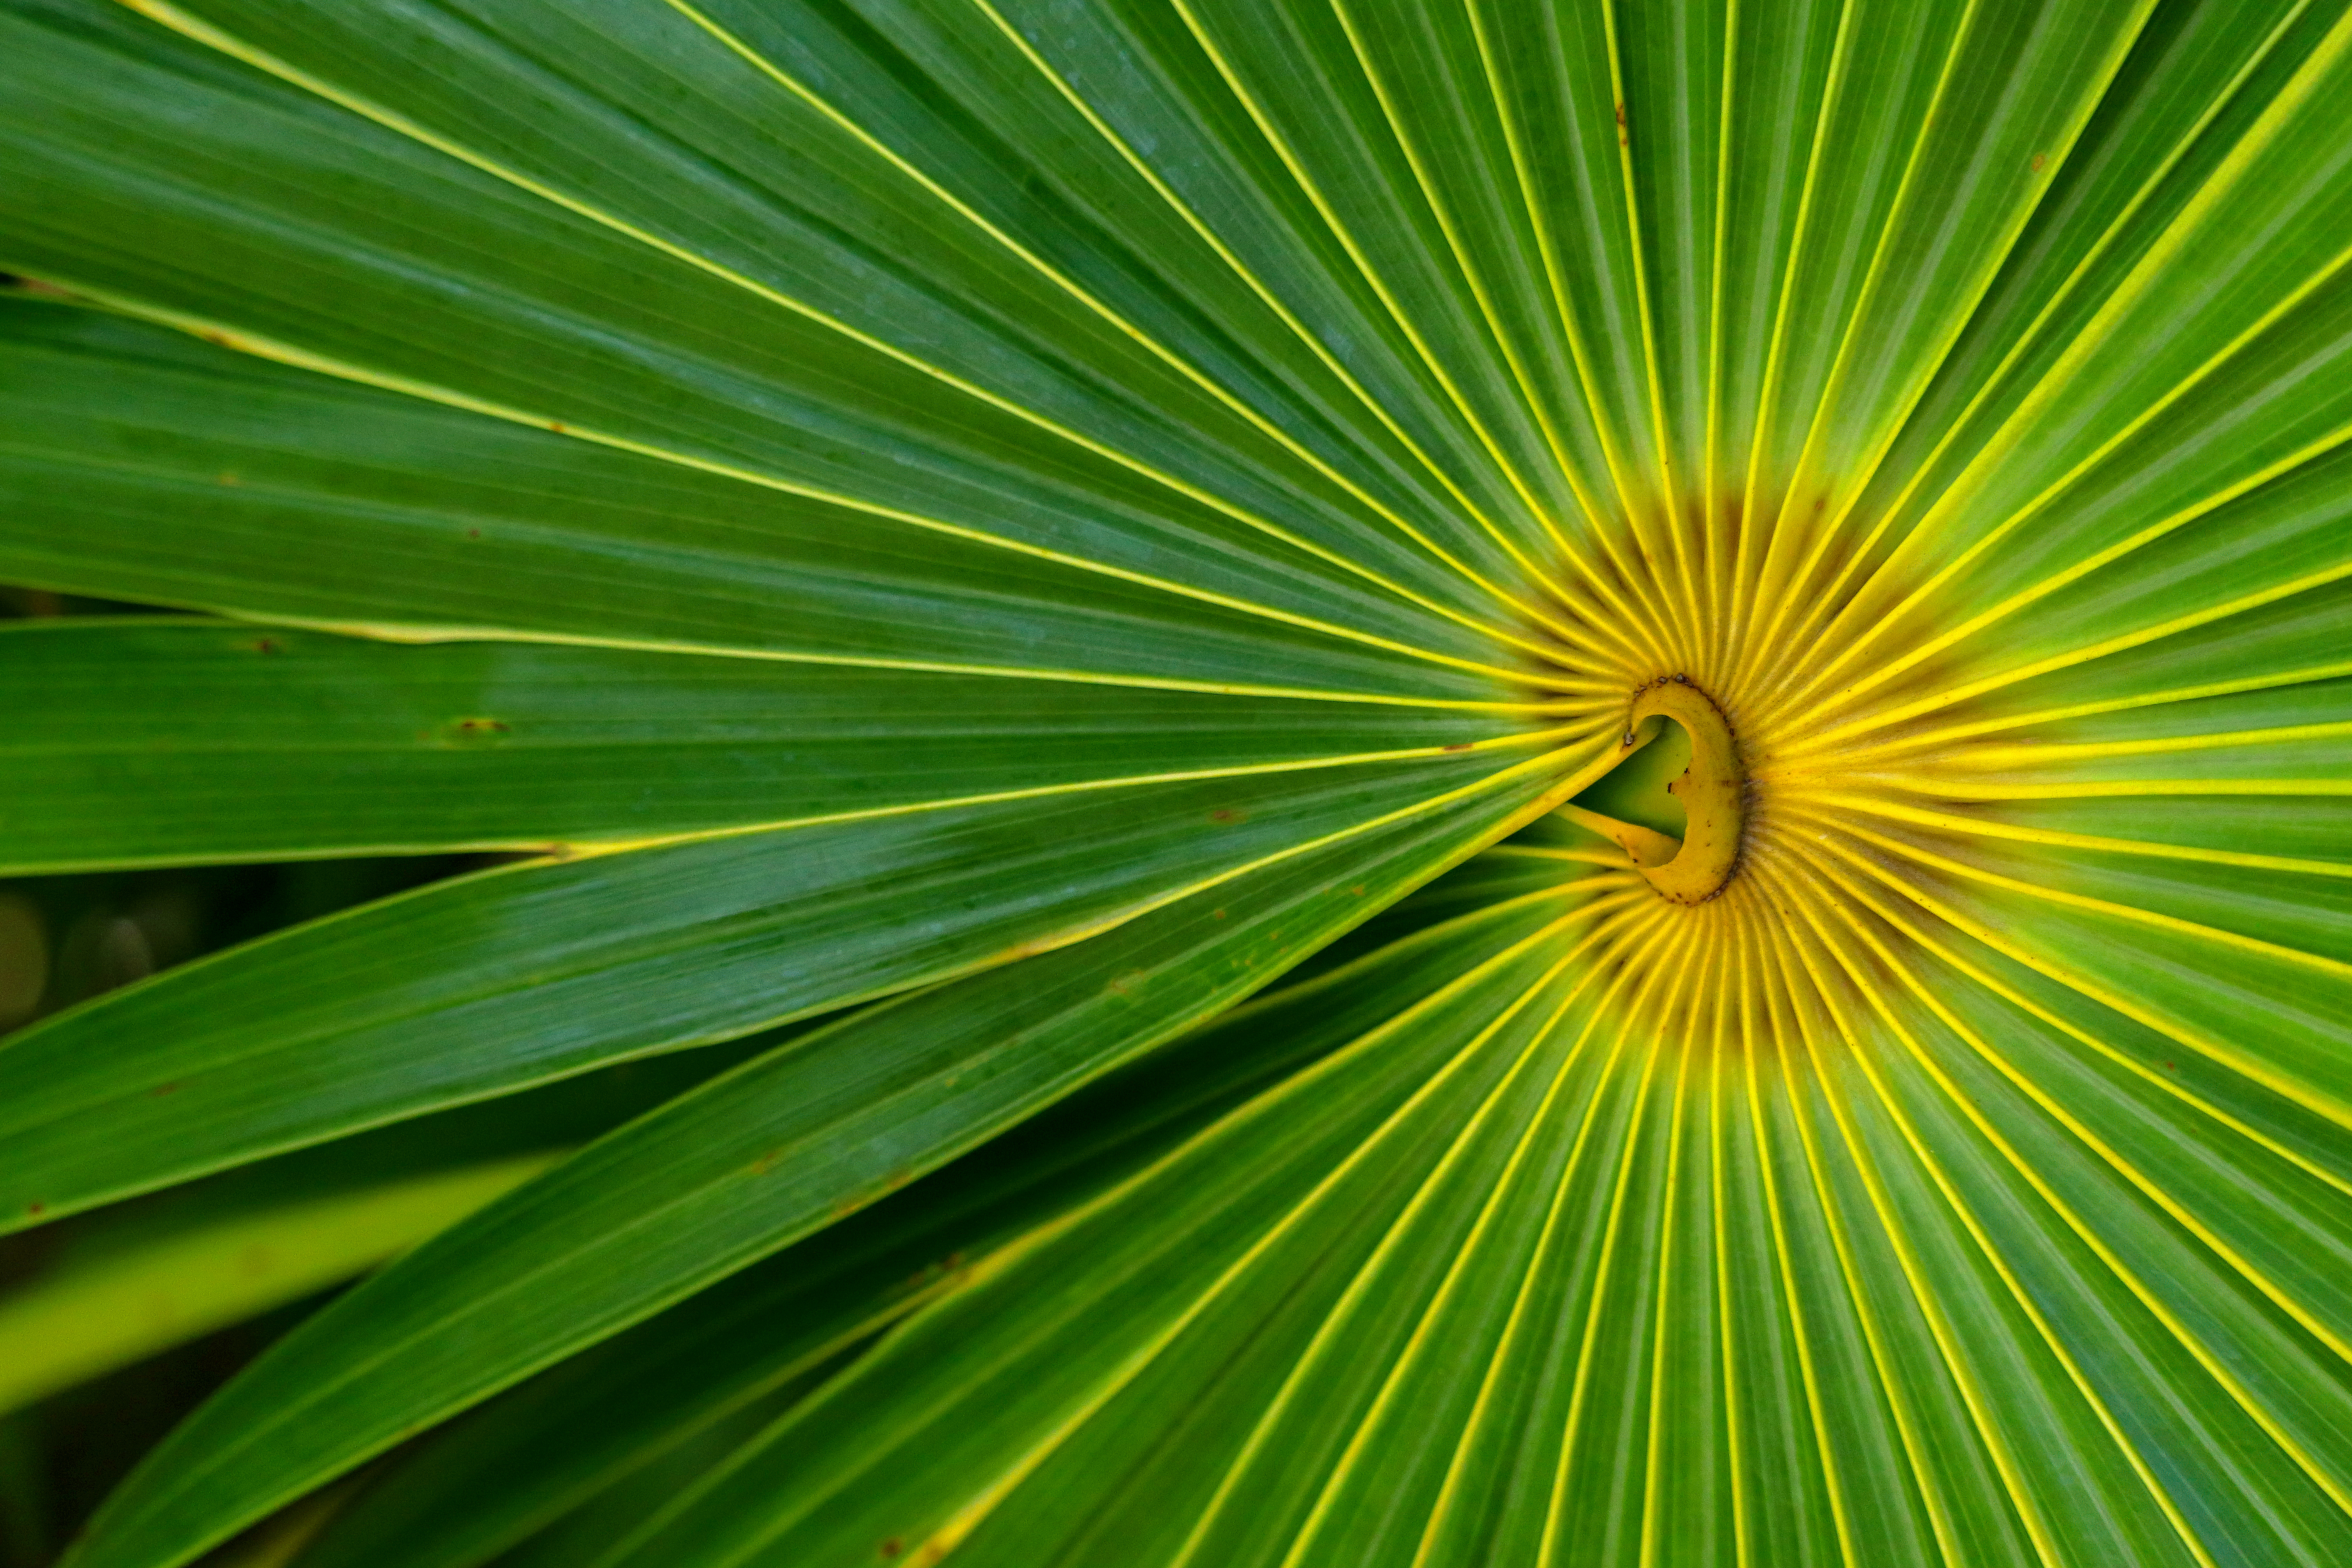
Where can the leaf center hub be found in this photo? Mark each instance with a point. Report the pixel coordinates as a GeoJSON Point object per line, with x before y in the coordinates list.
{"type": "Point", "coordinates": [1713, 790]}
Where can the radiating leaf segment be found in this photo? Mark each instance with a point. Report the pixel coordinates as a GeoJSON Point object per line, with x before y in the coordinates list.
{"type": "Point", "coordinates": [1026, 523]}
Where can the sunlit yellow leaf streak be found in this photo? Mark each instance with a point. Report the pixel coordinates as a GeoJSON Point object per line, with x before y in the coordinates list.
{"type": "Point", "coordinates": [2030, 337]}
{"type": "Point", "coordinates": [1778, 1008]}
{"type": "Point", "coordinates": [1925, 1154]}
{"type": "Point", "coordinates": [2292, 1089]}
{"type": "Point", "coordinates": [1209, 1514]}
{"type": "Point", "coordinates": [1538, 1130]}
{"type": "Point", "coordinates": [1856, 485]}
{"type": "Point", "coordinates": [1653, 1461]}
{"type": "Point", "coordinates": [970, 1516]}
{"type": "Point", "coordinates": [1642, 922]}
{"type": "Point", "coordinates": [101, 1310]}
{"type": "Point", "coordinates": [2088, 342]}
{"type": "Point", "coordinates": [2320, 1475]}
{"type": "Point", "coordinates": [1844, 881]}
{"type": "Point", "coordinates": [1670, 979]}
{"type": "Point", "coordinates": [1987, 828]}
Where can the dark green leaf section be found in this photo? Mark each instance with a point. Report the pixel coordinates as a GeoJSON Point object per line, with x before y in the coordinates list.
{"type": "Point", "coordinates": [494, 1475]}
{"type": "Point", "coordinates": [509, 303]}
{"type": "Point", "coordinates": [529, 972]}
{"type": "Point", "coordinates": [148, 741]}
{"type": "Point", "coordinates": [1024, 258]}
{"type": "Point", "coordinates": [137, 463]}
{"type": "Point", "coordinates": [744, 1166]}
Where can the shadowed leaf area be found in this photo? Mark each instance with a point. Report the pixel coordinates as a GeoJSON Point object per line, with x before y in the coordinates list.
{"type": "Point", "coordinates": [1178, 784]}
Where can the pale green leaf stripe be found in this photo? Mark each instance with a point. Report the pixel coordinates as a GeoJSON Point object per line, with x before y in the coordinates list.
{"type": "Point", "coordinates": [92, 1316]}
{"type": "Point", "coordinates": [136, 1279]}
{"type": "Point", "coordinates": [149, 742]}
{"type": "Point", "coordinates": [754, 1160]}
{"type": "Point", "coordinates": [533, 972]}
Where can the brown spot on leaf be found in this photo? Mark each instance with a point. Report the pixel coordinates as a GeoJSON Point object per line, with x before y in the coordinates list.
{"type": "Point", "coordinates": [161, 1089]}
{"type": "Point", "coordinates": [892, 1547]}
{"type": "Point", "coordinates": [265, 646]}
{"type": "Point", "coordinates": [1459, 746]}
{"type": "Point", "coordinates": [227, 478]}
{"type": "Point", "coordinates": [1228, 813]}
{"type": "Point", "coordinates": [37, 1208]}
{"type": "Point", "coordinates": [2038, 161]}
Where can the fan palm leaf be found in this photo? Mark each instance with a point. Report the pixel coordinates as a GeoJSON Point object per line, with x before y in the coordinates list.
{"type": "Point", "coordinates": [1468, 782]}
